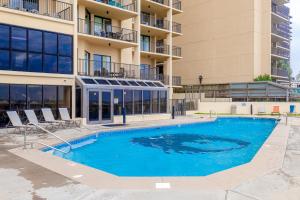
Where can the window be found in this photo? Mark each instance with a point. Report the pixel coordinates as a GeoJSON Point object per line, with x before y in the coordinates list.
{"type": "Point", "coordinates": [163, 101]}
{"type": "Point", "coordinates": [145, 43]}
{"type": "Point", "coordinates": [35, 62]}
{"type": "Point", "coordinates": [138, 102]}
{"type": "Point", "coordinates": [4, 104]}
{"type": "Point", "coordinates": [65, 65]}
{"type": "Point", "coordinates": [78, 102]}
{"type": "Point", "coordinates": [4, 37]}
{"type": "Point", "coordinates": [102, 26]}
{"type": "Point", "coordinates": [35, 97]}
{"type": "Point", "coordinates": [50, 98]}
{"type": "Point", "coordinates": [50, 43]}
{"type": "Point", "coordinates": [65, 97]}
{"type": "Point", "coordinates": [50, 64]}
{"type": "Point", "coordinates": [19, 61]}
{"type": "Point", "coordinates": [18, 97]}
{"type": "Point", "coordinates": [4, 60]}
{"type": "Point", "coordinates": [118, 102]}
{"type": "Point", "coordinates": [65, 45]}
{"type": "Point", "coordinates": [35, 41]}
{"type": "Point", "coordinates": [18, 38]}
{"type": "Point", "coordinates": [155, 102]}
{"type": "Point", "coordinates": [31, 4]}
{"type": "Point", "coordinates": [145, 71]}
{"type": "Point", "coordinates": [102, 65]}
{"type": "Point", "coordinates": [146, 102]}
{"type": "Point", "coordinates": [128, 99]}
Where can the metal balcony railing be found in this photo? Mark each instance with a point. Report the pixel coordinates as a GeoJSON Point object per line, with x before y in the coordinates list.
{"type": "Point", "coordinates": [51, 8]}
{"type": "Point", "coordinates": [279, 72]}
{"type": "Point", "coordinates": [106, 31]}
{"type": "Point", "coordinates": [176, 27]}
{"type": "Point", "coordinates": [150, 20]}
{"type": "Point", "coordinates": [176, 51]}
{"type": "Point", "coordinates": [176, 80]}
{"type": "Point", "coordinates": [163, 2]}
{"type": "Point", "coordinates": [149, 74]}
{"type": "Point", "coordinates": [96, 68]}
{"type": "Point", "coordinates": [130, 5]}
{"type": "Point", "coordinates": [284, 45]}
{"type": "Point", "coordinates": [281, 10]}
{"type": "Point", "coordinates": [177, 4]}
{"type": "Point", "coordinates": [156, 48]}
{"type": "Point", "coordinates": [280, 52]}
{"type": "Point", "coordinates": [279, 32]}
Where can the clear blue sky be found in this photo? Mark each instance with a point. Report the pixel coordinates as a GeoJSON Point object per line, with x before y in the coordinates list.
{"type": "Point", "coordinates": [295, 48]}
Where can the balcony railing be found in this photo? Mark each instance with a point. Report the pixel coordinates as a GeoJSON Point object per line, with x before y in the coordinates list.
{"type": "Point", "coordinates": [176, 4]}
{"type": "Point", "coordinates": [176, 80]}
{"type": "Point", "coordinates": [51, 8]}
{"type": "Point", "coordinates": [107, 69]}
{"type": "Point", "coordinates": [130, 5]}
{"type": "Point", "coordinates": [150, 20]}
{"type": "Point", "coordinates": [281, 10]}
{"type": "Point", "coordinates": [176, 51]}
{"type": "Point", "coordinates": [280, 72]}
{"type": "Point", "coordinates": [279, 32]}
{"type": "Point", "coordinates": [284, 45]}
{"type": "Point", "coordinates": [149, 74]}
{"type": "Point", "coordinates": [176, 27]}
{"type": "Point", "coordinates": [106, 31]}
{"type": "Point", "coordinates": [281, 52]}
{"type": "Point", "coordinates": [163, 2]}
{"type": "Point", "coordinates": [156, 48]}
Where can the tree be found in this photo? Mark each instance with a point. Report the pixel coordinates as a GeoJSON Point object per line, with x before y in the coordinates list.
{"type": "Point", "coordinates": [265, 77]}
{"type": "Point", "coordinates": [298, 77]}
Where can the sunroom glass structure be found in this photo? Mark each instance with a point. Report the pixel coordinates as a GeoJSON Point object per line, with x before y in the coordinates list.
{"type": "Point", "coordinates": [100, 99]}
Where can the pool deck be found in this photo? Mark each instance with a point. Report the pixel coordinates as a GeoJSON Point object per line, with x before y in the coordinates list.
{"type": "Point", "coordinates": [274, 173]}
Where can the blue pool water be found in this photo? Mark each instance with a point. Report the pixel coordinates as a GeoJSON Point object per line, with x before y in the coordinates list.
{"type": "Point", "coordinates": [196, 149]}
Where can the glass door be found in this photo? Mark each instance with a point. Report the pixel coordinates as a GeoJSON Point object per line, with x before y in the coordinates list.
{"type": "Point", "coordinates": [106, 106]}
{"type": "Point", "coordinates": [86, 64]}
{"type": "Point", "coordinates": [87, 23]}
{"type": "Point", "coordinates": [94, 107]}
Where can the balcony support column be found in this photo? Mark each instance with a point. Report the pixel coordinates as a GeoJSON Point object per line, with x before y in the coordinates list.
{"type": "Point", "coordinates": [169, 62]}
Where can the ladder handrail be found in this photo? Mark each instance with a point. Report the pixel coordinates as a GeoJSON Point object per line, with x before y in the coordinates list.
{"type": "Point", "coordinates": [51, 147]}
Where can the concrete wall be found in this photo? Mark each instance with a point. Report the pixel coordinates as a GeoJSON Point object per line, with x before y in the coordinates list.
{"type": "Point", "coordinates": [244, 107]}
{"type": "Point", "coordinates": [224, 41]}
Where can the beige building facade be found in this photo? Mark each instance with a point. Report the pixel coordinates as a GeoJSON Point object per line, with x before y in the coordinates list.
{"type": "Point", "coordinates": [233, 41]}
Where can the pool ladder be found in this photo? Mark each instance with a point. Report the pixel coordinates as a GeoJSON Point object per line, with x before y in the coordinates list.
{"type": "Point", "coordinates": [46, 145]}
{"type": "Point", "coordinates": [211, 113]}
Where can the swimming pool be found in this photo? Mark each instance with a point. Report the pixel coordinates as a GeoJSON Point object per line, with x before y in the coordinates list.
{"type": "Point", "coordinates": [197, 149]}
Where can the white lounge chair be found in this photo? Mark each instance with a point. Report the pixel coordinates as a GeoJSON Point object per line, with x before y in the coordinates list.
{"type": "Point", "coordinates": [261, 110]}
{"type": "Point", "coordinates": [48, 116]}
{"type": "Point", "coordinates": [65, 116]}
{"type": "Point", "coordinates": [32, 118]}
{"type": "Point", "coordinates": [17, 123]}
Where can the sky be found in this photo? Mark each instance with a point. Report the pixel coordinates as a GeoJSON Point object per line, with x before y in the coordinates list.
{"type": "Point", "coordinates": [295, 44]}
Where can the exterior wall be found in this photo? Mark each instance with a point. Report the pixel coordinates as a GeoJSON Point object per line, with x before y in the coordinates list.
{"type": "Point", "coordinates": [224, 41]}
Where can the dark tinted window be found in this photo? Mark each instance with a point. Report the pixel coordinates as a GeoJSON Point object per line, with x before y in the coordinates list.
{"type": "Point", "coordinates": [35, 41]}
{"type": "Point", "coordinates": [19, 61]}
{"type": "Point", "coordinates": [50, 43]}
{"type": "Point", "coordinates": [142, 83]}
{"type": "Point", "coordinates": [50, 64]}
{"type": "Point", "coordinates": [18, 38]}
{"type": "Point", "coordinates": [146, 102]}
{"type": "Point", "coordinates": [163, 101]}
{"type": "Point", "coordinates": [35, 62]}
{"type": "Point", "coordinates": [18, 97]}
{"type": "Point", "coordinates": [118, 102]}
{"type": "Point", "coordinates": [4, 37]}
{"type": "Point", "coordinates": [113, 82]}
{"type": "Point", "coordinates": [128, 99]}
{"type": "Point", "coordinates": [155, 101]}
{"type": "Point", "coordinates": [150, 84]}
{"type": "Point", "coordinates": [65, 65]}
{"type": "Point", "coordinates": [158, 84]}
{"type": "Point", "coordinates": [35, 97]}
{"type": "Point", "coordinates": [124, 83]}
{"type": "Point", "coordinates": [88, 81]}
{"type": "Point", "coordinates": [4, 97]}
{"type": "Point", "coordinates": [102, 82]}
{"type": "Point", "coordinates": [65, 45]}
{"type": "Point", "coordinates": [133, 83]}
{"type": "Point", "coordinates": [50, 98]}
{"type": "Point", "coordinates": [138, 102]}
{"type": "Point", "coordinates": [64, 97]}
{"type": "Point", "coordinates": [4, 60]}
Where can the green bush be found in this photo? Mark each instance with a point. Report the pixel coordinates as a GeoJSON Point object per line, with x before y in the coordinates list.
{"type": "Point", "coordinates": [265, 77]}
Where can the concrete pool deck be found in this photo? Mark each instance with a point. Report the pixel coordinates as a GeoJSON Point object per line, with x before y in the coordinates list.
{"type": "Point", "coordinates": [274, 173]}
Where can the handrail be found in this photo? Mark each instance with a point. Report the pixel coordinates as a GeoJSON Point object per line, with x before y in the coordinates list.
{"type": "Point", "coordinates": [51, 147]}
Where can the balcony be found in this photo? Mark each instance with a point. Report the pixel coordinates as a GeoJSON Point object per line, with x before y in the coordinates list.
{"type": "Point", "coordinates": [152, 26]}
{"type": "Point", "coordinates": [161, 52]}
{"type": "Point", "coordinates": [284, 45]}
{"type": "Point", "coordinates": [177, 7]}
{"type": "Point", "coordinates": [95, 68]}
{"type": "Point", "coordinates": [279, 72]}
{"type": "Point", "coordinates": [114, 9]}
{"type": "Point", "coordinates": [281, 10]}
{"type": "Point", "coordinates": [176, 80]}
{"type": "Point", "coordinates": [280, 53]}
{"type": "Point", "coordinates": [280, 32]}
{"type": "Point", "coordinates": [53, 8]}
{"type": "Point", "coordinates": [176, 52]}
{"type": "Point", "coordinates": [163, 2]}
{"type": "Point", "coordinates": [176, 28]}
{"type": "Point", "coordinates": [103, 33]}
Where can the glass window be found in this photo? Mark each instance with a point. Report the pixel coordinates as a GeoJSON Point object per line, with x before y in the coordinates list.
{"type": "Point", "coordinates": [64, 97]}
{"type": "Point", "coordinates": [35, 97]}
{"type": "Point", "coordinates": [138, 102]}
{"type": "Point", "coordinates": [35, 62]}
{"type": "Point", "coordinates": [78, 102]}
{"type": "Point", "coordinates": [163, 101]}
{"type": "Point", "coordinates": [35, 41]}
{"type": "Point", "coordinates": [19, 61]}
{"type": "Point", "coordinates": [18, 38]}
{"type": "Point", "coordinates": [128, 100]}
{"type": "Point", "coordinates": [4, 104]}
{"type": "Point", "coordinates": [18, 97]}
{"type": "Point", "coordinates": [4, 60]}
{"type": "Point", "coordinates": [50, 98]}
{"type": "Point", "coordinates": [65, 45]}
{"type": "Point", "coordinates": [146, 102]}
{"type": "Point", "coordinates": [50, 64]}
{"type": "Point", "coordinates": [4, 37]}
{"type": "Point", "coordinates": [50, 43]}
{"type": "Point", "coordinates": [155, 100]}
{"type": "Point", "coordinates": [145, 43]}
{"type": "Point", "coordinates": [65, 65]}
{"type": "Point", "coordinates": [118, 102]}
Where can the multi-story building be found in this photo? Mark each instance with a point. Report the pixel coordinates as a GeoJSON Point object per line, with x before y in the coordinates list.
{"type": "Point", "coordinates": [94, 57]}
{"type": "Point", "coordinates": [233, 41]}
